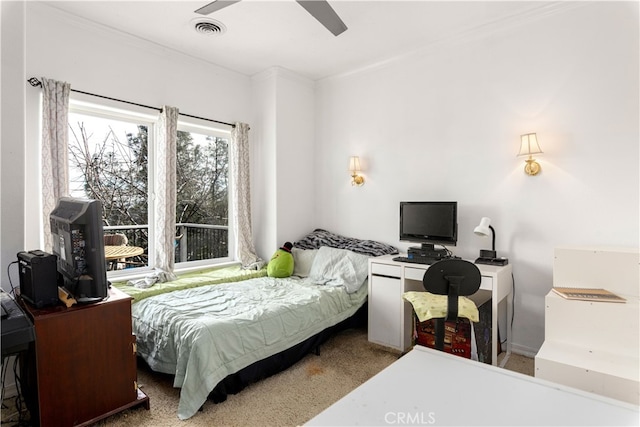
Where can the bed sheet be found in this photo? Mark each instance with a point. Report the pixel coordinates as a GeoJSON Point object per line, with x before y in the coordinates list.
{"type": "Point", "coordinates": [193, 279]}
{"type": "Point", "coordinates": [202, 335]}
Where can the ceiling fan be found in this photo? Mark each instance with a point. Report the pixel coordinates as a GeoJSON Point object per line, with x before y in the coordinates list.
{"type": "Point", "coordinates": [319, 9]}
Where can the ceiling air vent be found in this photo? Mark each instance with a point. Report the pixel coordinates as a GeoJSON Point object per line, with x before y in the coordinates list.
{"type": "Point", "coordinates": [209, 27]}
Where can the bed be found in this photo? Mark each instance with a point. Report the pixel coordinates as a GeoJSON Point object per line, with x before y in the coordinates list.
{"type": "Point", "coordinates": [216, 337]}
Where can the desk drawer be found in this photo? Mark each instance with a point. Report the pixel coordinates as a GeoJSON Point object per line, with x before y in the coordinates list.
{"type": "Point", "coordinates": [386, 270]}
{"type": "Point", "coordinates": [486, 283]}
{"type": "Point", "coordinates": [414, 273]}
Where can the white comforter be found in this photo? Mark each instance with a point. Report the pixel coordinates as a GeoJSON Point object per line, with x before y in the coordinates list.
{"type": "Point", "coordinates": [202, 335]}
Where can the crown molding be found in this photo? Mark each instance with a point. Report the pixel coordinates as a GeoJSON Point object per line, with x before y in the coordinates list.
{"type": "Point", "coordinates": [281, 72]}
{"type": "Point", "coordinates": [541, 10]}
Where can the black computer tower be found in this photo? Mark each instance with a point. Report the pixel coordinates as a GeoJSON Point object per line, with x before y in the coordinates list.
{"type": "Point", "coordinates": [38, 278]}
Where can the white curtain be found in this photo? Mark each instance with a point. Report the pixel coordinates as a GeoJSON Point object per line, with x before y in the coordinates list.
{"type": "Point", "coordinates": [242, 197]}
{"type": "Point", "coordinates": [165, 202]}
{"type": "Point", "coordinates": [55, 154]}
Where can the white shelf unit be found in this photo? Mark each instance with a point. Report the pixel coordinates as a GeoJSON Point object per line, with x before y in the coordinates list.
{"type": "Point", "coordinates": [594, 346]}
{"type": "Point", "coordinates": [390, 316]}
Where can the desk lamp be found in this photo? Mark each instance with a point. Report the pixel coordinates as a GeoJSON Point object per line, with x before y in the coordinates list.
{"type": "Point", "coordinates": [488, 256]}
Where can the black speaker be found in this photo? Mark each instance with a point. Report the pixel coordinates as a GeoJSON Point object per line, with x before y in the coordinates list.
{"type": "Point", "coordinates": [38, 278]}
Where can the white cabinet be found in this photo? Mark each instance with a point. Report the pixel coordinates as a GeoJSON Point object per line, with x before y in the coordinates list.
{"type": "Point", "coordinates": [384, 326]}
{"type": "Point", "coordinates": [594, 346]}
{"type": "Point", "coordinates": [390, 316]}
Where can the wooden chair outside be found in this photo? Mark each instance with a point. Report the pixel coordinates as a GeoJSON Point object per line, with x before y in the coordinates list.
{"type": "Point", "coordinates": [116, 239]}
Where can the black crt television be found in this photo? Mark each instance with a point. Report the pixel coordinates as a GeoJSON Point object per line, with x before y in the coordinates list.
{"type": "Point", "coordinates": [429, 223]}
{"type": "Point", "coordinates": [78, 243]}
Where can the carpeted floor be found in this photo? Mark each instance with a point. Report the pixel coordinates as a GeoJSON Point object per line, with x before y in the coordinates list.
{"type": "Point", "coordinates": [289, 398]}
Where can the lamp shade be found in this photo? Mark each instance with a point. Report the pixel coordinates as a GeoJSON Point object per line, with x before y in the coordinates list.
{"type": "Point", "coordinates": [483, 228]}
{"type": "Point", "coordinates": [529, 145]}
{"type": "Point", "coordinates": [354, 164]}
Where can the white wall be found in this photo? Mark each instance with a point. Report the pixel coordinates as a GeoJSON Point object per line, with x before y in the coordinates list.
{"type": "Point", "coordinates": [12, 127]}
{"type": "Point", "coordinates": [101, 61]}
{"type": "Point", "coordinates": [294, 159]}
{"type": "Point", "coordinates": [283, 181]}
{"type": "Point", "coordinates": [263, 176]}
{"type": "Point", "coordinates": [444, 124]}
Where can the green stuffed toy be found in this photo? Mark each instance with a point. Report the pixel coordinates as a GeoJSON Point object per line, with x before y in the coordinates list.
{"type": "Point", "coordinates": [281, 263]}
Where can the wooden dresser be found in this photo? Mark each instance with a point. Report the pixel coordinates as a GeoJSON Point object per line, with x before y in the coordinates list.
{"type": "Point", "coordinates": [82, 366]}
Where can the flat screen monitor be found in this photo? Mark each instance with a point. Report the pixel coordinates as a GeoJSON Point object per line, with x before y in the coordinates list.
{"type": "Point", "coordinates": [429, 223]}
{"type": "Point", "coordinates": [78, 243]}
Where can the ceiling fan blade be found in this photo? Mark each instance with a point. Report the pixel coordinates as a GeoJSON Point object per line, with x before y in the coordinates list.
{"type": "Point", "coordinates": [215, 5]}
{"type": "Point", "coordinates": [324, 13]}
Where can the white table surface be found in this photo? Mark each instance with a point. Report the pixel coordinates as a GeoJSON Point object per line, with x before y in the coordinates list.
{"type": "Point", "coordinates": [428, 387]}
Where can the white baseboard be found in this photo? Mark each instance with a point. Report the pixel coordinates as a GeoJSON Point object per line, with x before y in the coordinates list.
{"type": "Point", "coordinates": [523, 350]}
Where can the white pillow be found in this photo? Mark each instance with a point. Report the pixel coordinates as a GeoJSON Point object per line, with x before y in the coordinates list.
{"type": "Point", "coordinates": [339, 267]}
{"type": "Point", "coordinates": [302, 261]}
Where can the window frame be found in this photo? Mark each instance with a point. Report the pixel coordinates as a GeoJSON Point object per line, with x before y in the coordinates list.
{"type": "Point", "coordinates": [191, 124]}
{"type": "Point", "coordinates": [107, 109]}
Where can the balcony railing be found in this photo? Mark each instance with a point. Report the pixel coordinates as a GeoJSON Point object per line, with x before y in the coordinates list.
{"type": "Point", "coordinates": [194, 242]}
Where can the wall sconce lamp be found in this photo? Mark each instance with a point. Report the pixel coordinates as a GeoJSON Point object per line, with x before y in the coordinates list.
{"type": "Point", "coordinates": [529, 146]}
{"type": "Point", "coordinates": [354, 169]}
{"type": "Point", "coordinates": [488, 256]}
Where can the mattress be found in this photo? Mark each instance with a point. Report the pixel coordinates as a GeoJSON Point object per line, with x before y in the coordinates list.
{"type": "Point", "coordinates": [201, 335]}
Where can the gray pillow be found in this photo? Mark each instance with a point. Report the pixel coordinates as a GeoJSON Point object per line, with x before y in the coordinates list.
{"type": "Point", "coordinates": [302, 261]}
{"type": "Point", "coordinates": [339, 267]}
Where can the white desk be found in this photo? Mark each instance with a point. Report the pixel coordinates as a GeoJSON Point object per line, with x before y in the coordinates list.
{"type": "Point", "coordinates": [390, 317]}
{"type": "Point", "coordinates": [429, 387]}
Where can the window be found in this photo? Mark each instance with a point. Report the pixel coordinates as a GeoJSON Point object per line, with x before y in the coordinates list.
{"type": "Point", "coordinates": [108, 161]}
{"type": "Point", "coordinates": [202, 187]}
{"type": "Point", "coordinates": [111, 159]}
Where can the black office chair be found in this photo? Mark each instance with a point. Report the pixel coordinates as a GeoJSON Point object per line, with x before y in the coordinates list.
{"type": "Point", "coordinates": [454, 278]}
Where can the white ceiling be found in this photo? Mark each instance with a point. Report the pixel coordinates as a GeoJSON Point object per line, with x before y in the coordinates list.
{"type": "Point", "coordinates": [264, 33]}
